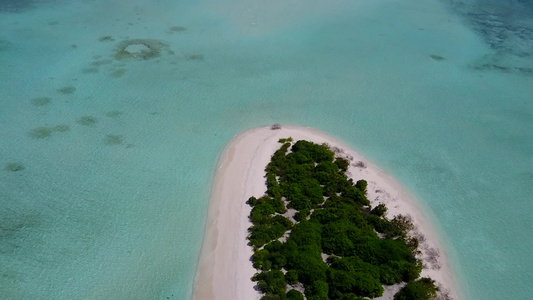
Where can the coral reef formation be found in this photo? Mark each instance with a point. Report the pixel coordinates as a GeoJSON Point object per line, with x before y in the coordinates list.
{"type": "Point", "coordinates": [139, 49]}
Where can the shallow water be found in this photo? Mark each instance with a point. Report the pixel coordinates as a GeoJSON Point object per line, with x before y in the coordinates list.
{"type": "Point", "coordinates": [104, 185]}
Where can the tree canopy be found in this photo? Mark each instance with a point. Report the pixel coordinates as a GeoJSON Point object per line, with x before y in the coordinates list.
{"type": "Point", "coordinates": [333, 219]}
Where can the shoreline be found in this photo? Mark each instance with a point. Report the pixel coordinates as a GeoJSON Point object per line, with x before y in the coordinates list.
{"type": "Point", "coordinates": [224, 268]}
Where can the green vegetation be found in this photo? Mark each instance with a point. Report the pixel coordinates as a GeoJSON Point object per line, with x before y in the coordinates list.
{"type": "Point", "coordinates": [287, 140]}
{"type": "Point", "coordinates": [294, 295]}
{"type": "Point", "coordinates": [422, 289]}
{"type": "Point", "coordinates": [333, 219]}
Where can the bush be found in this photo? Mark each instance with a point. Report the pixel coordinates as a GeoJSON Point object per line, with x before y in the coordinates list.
{"type": "Point", "coordinates": [342, 163]}
{"type": "Point", "coordinates": [286, 140]}
{"type": "Point", "coordinates": [291, 277]}
{"type": "Point", "coordinates": [271, 282]}
{"type": "Point", "coordinates": [294, 295]}
{"type": "Point", "coordinates": [318, 290]}
{"type": "Point", "coordinates": [306, 233]}
{"type": "Point", "coordinates": [402, 225]}
{"type": "Point", "coordinates": [380, 210]}
{"type": "Point", "coordinates": [271, 297]}
{"type": "Point", "coordinates": [309, 265]}
{"type": "Point", "coordinates": [301, 215]}
{"type": "Point", "coordinates": [259, 258]}
{"type": "Point", "coordinates": [251, 201]}
{"type": "Point", "coordinates": [422, 289]}
{"type": "Point", "coordinates": [271, 229]}
{"type": "Point", "coordinates": [352, 275]}
{"type": "Point", "coordinates": [319, 153]}
{"type": "Point", "coordinates": [361, 185]}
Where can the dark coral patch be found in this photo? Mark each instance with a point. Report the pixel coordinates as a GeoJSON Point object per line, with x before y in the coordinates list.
{"type": "Point", "coordinates": [46, 132]}
{"type": "Point", "coordinates": [195, 57]}
{"type": "Point", "coordinates": [113, 140]}
{"type": "Point", "coordinates": [66, 90]}
{"type": "Point", "coordinates": [437, 57]}
{"type": "Point", "coordinates": [14, 167]}
{"type": "Point", "coordinates": [41, 101]}
{"type": "Point", "coordinates": [41, 132]}
{"type": "Point", "coordinates": [87, 121]}
{"type": "Point", "coordinates": [106, 38]}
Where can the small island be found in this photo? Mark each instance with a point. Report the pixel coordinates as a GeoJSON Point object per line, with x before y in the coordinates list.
{"type": "Point", "coordinates": [315, 231]}
{"type": "Point", "coordinates": [312, 218]}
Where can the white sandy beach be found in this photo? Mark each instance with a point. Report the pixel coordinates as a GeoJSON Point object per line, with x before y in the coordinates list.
{"type": "Point", "coordinates": [225, 269]}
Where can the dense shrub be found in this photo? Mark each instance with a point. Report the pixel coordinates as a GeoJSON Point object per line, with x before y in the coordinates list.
{"type": "Point", "coordinates": [294, 295]}
{"type": "Point", "coordinates": [333, 218]}
{"type": "Point", "coordinates": [318, 290]}
{"type": "Point", "coordinates": [380, 210]}
{"type": "Point", "coordinates": [270, 228]}
{"type": "Point", "coordinates": [422, 289]}
{"type": "Point", "coordinates": [301, 215]}
{"type": "Point", "coordinates": [342, 163]}
{"type": "Point", "coordinates": [361, 185]}
{"type": "Point", "coordinates": [291, 277]}
{"type": "Point", "coordinates": [271, 282]}
{"type": "Point", "coordinates": [353, 275]}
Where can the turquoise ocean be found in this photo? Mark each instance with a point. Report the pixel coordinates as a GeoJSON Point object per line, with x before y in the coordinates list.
{"type": "Point", "coordinates": [106, 163]}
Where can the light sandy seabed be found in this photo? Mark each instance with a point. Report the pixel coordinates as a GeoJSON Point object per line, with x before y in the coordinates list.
{"type": "Point", "coordinates": [225, 269]}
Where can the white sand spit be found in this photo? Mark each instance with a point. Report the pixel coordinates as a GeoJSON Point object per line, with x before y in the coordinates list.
{"type": "Point", "coordinates": [225, 269]}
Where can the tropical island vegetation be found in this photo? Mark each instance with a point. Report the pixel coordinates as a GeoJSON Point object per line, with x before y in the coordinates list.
{"type": "Point", "coordinates": [315, 231]}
